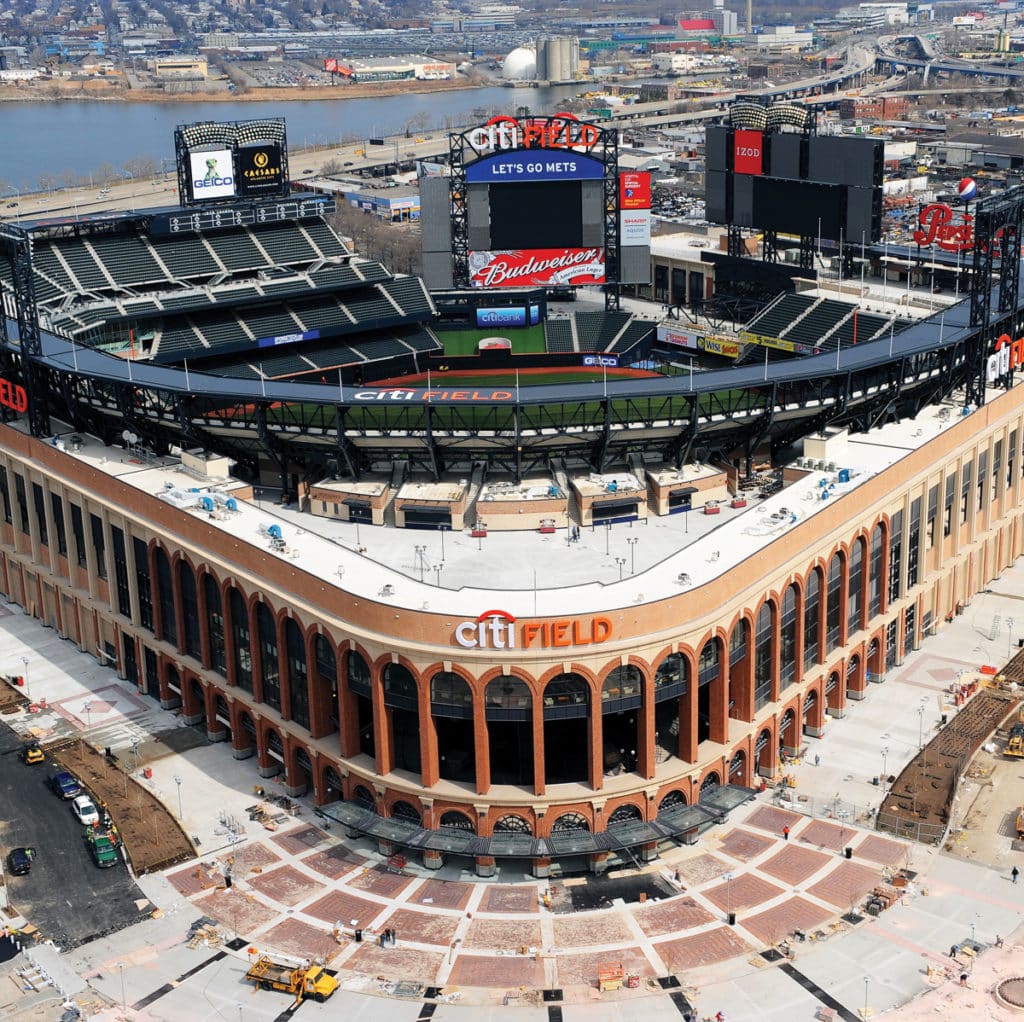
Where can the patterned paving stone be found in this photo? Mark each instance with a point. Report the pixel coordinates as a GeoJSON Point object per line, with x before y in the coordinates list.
{"type": "Point", "coordinates": [241, 913]}
{"type": "Point", "coordinates": [591, 928]}
{"type": "Point", "coordinates": [793, 865]}
{"type": "Point", "coordinates": [294, 937]}
{"type": "Point", "coordinates": [340, 906]}
{"type": "Point", "coordinates": [300, 839]}
{"type": "Point", "coordinates": [520, 898]}
{"type": "Point", "coordinates": [744, 891]}
{"type": "Point", "coordinates": [398, 962]}
{"type": "Point", "coordinates": [716, 945]}
{"type": "Point", "coordinates": [509, 971]}
{"type": "Point", "coordinates": [502, 933]}
{"type": "Point", "coordinates": [846, 884]}
{"type": "Point", "coordinates": [772, 818]}
{"type": "Point", "coordinates": [581, 969]}
{"type": "Point", "coordinates": [286, 885]}
{"type": "Point", "coordinates": [423, 927]}
{"type": "Point", "coordinates": [700, 869]}
{"type": "Point", "coordinates": [194, 879]}
{"type": "Point", "coordinates": [827, 835]}
{"type": "Point", "coordinates": [744, 845]}
{"type": "Point", "coordinates": [442, 894]}
{"type": "Point", "coordinates": [671, 916]}
{"type": "Point", "coordinates": [779, 922]}
{"type": "Point", "coordinates": [334, 862]}
{"type": "Point", "coordinates": [881, 849]}
{"type": "Point", "coordinates": [250, 858]}
{"type": "Point", "coordinates": [380, 881]}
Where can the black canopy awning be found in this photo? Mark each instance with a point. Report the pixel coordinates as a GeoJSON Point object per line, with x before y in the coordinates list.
{"type": "Point", "coordinates": [682, 491]}
{"type": "Point", "coordinates": [614, 505]}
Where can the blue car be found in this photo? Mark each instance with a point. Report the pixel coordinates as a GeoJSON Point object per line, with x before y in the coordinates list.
{"type": "Point", "coordinates": [65, 786]}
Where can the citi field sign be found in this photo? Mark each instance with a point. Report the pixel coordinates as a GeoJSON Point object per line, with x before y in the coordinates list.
{"type": "Point", "coordinates": [498, 629]}
{"type": "Point", "coordinates": [560, 131]}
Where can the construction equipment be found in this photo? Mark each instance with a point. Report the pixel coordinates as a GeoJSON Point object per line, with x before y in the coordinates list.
{"type": "Point", "coordinates": [1020, 824]}
{"type": "Point", "coordinates": [301, 980]}
{"type": "Point", "coordinates": [610, 976]}
{"type": "Point", "coordinates": [1015, 743]}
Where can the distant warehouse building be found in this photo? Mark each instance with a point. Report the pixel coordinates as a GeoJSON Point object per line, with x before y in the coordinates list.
{"type": "Point", "coordinates": [390, 69]}
{"type": "Point", "coordinates": [875, 108]}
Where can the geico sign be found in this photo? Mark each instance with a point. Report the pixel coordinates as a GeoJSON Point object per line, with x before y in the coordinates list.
{"type": "Point", "coordinates": [496, 629]}
{"type": "Point", "coordinates": [563, 131]}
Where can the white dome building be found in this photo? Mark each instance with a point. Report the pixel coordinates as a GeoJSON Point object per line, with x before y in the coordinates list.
{"type": "Point", "coordinates": [520, 65]}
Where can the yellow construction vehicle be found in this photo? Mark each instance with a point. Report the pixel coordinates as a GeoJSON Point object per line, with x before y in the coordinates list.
{"type": "Point", "coordinates": [301, 980]}
{"type": "Point", "coordinates": [1015, 743]}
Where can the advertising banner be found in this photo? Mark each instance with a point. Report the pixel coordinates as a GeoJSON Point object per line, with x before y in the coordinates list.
{"type": "Point", "coordinates": [538, 267]}
{"type": "Point", "coordinates": [719, 346]}
{"type": "Point", "coordinates": [635, 227]}
{"type": "Point", "coordinates": [273, 342]}
{"type": "Point", "coordinates": [678, 338]}
{"type": "Point", "coordinates": [501, 317]}
{"type": "Point", "coordinates": [212, 174]}
{"type": "Point", "coordinates": [538, 166]}
{"type": "Point", "coordinates": [331, 64]}
{"type": "Point", "coordinates": [260, 170]}
{"type": "Point", "coordinates": [748, 151]}
{"type": "Point", "coordinates": [634, 190]}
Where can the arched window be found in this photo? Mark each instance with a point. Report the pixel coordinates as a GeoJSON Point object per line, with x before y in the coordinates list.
{"type": "Point", "coordinates": [710, 782]}
{"type": "Point", "coordinates": [738, 644]}
{"type": "Point", "coordinates": [875, 580]}
{"type": "Point", "coordinates": [787, 638]}
{"type": "Point", "coordinates": [622, 689]}
{"type": "Point", "coordinates": [812, 611]}
{"type": "Point", "coordinates": [569, 823]}
{"type": "Point", "coordinates": [241, 640]}
{"type": "Point", "coordinates": [450, 696]}
{"type": "Point", "coordinates": [508, 698]}
{"type": "Point", "coordinates": [165, 595]}
{"type": "Point", "coordinates": [215, 625]}
{"type": "Point", "coordinates": [454, 820]}
{"type": "Point", "coordinates": [674, 799]}
{"type": "Point", "coordinates": [189, 609]}
{"type": "Point", "coordinates": [512, 824]}
{"type": "Point", "coordinates": [763, 657]}
{"type": "Point", "coordinates": [358, 674]}
{"type": "Point", "coordinates": [835, 588]}
{"type": "Point", "coordinates": [327, 671]}
{"type": "Point", "coordinates": [402, 810]}
{"type": "Point", "coordinates": [671, 678]}
{"type": "Point", "coordinates": [298, 673]}
{"type": "Point", "coordinates": [626, 813]}
{"type": "Point", "coordinates": [270, 670]}
{"type": "Point", "coordinates": [566, 695]}
{"type": "Point", "coordinates": [400, 688]}
{"type": "Point", "coordinates": [854, 603]}
{"type": "Point", "coordinates": [710, 663]}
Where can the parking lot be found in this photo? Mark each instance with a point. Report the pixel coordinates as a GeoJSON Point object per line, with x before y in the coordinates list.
{"type": "Point", "coordinates": [65, 896]}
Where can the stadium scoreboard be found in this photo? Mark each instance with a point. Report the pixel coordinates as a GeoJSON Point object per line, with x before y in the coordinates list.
{"type": "Point", "coordinates": [211, 218]}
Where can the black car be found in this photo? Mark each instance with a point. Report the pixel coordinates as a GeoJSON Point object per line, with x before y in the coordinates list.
{"type": "Point", "coordinates": [19, 861]}
{"type": "Point", "coordinates": [65, 786]}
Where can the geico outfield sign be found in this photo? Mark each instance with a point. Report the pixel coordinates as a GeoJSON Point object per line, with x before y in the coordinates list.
{"type": "Point", "coordinates": [497, 629]}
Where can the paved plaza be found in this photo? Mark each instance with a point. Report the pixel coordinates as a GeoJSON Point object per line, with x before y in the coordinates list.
{"type": "Point", "coordinates": [491, 948]}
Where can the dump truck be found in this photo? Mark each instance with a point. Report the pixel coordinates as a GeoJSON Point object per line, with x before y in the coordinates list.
{"type": "Point", "coordinates": [102, 844]}
{"type": "Point", "coordinates": [301, 980]}
{"type": "Point", "coordinates": [1015, 743]}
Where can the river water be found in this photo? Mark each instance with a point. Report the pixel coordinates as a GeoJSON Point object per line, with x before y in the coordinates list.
{"type": "Point", "coordinates": [70, 140]}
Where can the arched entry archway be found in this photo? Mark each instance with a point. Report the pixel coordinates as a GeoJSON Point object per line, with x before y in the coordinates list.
{"type": "Point", "coordinates": [508, 708]}
{"type": "Point", "coordinates": [763, 758]}
{"type": "Point", "coordinates": [196, 703]}
{"type": "Point", "coordinates": [566, 730]}
{"type": "Point", "coordinates": [709, 783]}
{"type": "Point", "coordinates": [621, 699]}
{"type": "Point", "coordinates": [854, 683]}
{"type": "Point", "coordinates": [402, 700]}
{"type": "Point", "coordinates": [626, 813]}
{"type": "Point", "coordinates": [738, 768]}
{"type": "Point", "coordinates": [223, 718]}
{"type": "Point", "coordinates": [333, 787]}
{"type": "Point", "coordinates": [301, 782]}
{"type": "Point", "coordinates": [788, 734]}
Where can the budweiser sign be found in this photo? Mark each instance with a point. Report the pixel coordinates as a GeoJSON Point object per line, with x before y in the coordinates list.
{"type": "Point", "coordinates": [537, 267]}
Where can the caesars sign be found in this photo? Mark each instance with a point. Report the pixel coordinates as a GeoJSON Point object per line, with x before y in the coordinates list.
{"type": "Point", "coordinates": [497, 629]}
{"type": "Point", "coordinates": [561, 131]}
{"type": "Point", "coordinates": [259, 169]}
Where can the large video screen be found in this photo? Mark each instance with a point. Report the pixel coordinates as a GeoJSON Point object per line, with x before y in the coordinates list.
{"type": "Point", "coordinates": [798, 207]}
{"type": "Point", "coordinates": [542, 214]}
{"type": "Point", "coordinates": [212, 174]}
{"type": "Point", "coordinates": [260, 170]}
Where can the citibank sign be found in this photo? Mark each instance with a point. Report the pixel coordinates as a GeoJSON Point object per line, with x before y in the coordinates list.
{"type": "Point", "coordinates": [497, 629]}
{"type": "Point", "coordinates": [562, 131]}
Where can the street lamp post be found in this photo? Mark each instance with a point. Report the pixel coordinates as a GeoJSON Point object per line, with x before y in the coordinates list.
{"type": "Point", "coordinates": [28, 692]}
{"type": "Point", "coordinates": [438, 568]}
{"type": "Point", "coordinates": [87, 707]}
{"type": "Point", "coordinates": [607, 538]}
{"type": "Point", "coordinates": [865, 997]}
{"type": "Point", "coordinates": [885, 771]}
{"type": "Point", "coordinates": [632, 541]}
{"type": "Point", "coordinates": [420, 551]}
{"type": "Point", "coordinates": [728, 897]}
{"type": "Point", "coordinates": [177, 781]}
{"type": "Point", "coordinates": [620, 561]}
{"type": "Point", "coordinates": [1009, 637]}
{"type": "Point", "coordinates": [124, 997]}
{"type": "Point", "coordinates": [920, 728]}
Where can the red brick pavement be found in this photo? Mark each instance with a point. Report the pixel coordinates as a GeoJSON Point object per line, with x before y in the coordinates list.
{"type": "Point", "coordinates": [880, 849]}
{"type": "Point", "coordinates": [396, 963]}
{"type": "Point", "coordinates": [581, 969]}
{"type": "Point", "coordinates": [294, 937]}
{"type": "Point", "coordinates": [793, 865]}
{"type": "Point", "coordinates": [671, 916]}
{"type": "Point", "coordinates": [286, 885]}
{"type": "Point", "coordinates": [772, 818]}
{"type": "Point", "coordinates": [380, 881]}
{"type": "Point", "coordinates": [779, 922]}
{"type": "Point", "coordinates": [716, 945]}
{"type": "Point", "coordinates": [745, 891]}
{"type": "Point", "coordinates": [254, 856]}
{"type": "Point", "coordinates": [240, 912]}
{"type": "Point", "coordinates": [743, 845]}
{"type": "Point", "coordinates": [591, 928]}
{"type": "Point", "coordinates": [701, 869]}
{"type": "Point", "coordinates": [340, 906]}
{"type": "Point", "coordinates": [194, 879]}
{"type": "Point", "coordinates": [521, 898]}
{"type": "Point", "coordinates": [846, 884]}
{"type": "Point", "coordinates": [502, 933]}
{"type": "Point", "coordinates": [423, 927]}
{"type": "Point", "coordinates": [509, 971]}
{"type": "Point", "coordinates": [300, 839]}
{"type": "Point", "coordinates": [827, 835]}
{"type": "Point", "coordinates": [334, 862]}
{"type": "Point", "coordinates": [442, 894]}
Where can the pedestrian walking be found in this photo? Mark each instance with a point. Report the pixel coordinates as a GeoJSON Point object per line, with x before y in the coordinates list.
{"type": "Point", "coordinates": [963, 979]}
{"type": "Point", "coordinates": [817, 760]}
{"type": "Point", "coordinates": [954, 951]}
{"type": "Point", "coordinates": [785, 832]}
{"type": "Point", "coordinates": [1014, 873]}
{"type": "Point", "coordinates": [999, 941]}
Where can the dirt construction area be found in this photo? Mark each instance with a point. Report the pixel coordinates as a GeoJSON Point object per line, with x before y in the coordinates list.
{"type": "Point", "coordinates": [153, 838]}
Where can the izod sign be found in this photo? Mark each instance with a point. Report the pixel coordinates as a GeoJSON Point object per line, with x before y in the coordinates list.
{"type": "Point", "coordinates": [497, 629]}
